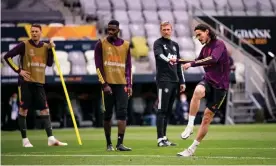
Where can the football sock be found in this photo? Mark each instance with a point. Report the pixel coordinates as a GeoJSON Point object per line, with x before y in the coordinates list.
{"type": "Point", "coordinates": [22, 126]}
{"type": "Point", "coordinates": [120, 139]}
{"type": "Point", "coordinates": [194, 145]}
{"type": "Point", "coordinates": [47, 124]}
{"type": "Point", "coordinates": [108, 139]}
{"type": "Point", "coordinates": [191, 120]}
{"type": "Point", "coordinates": [160, 125]}
{"type": "Point", "coordinates": [165, 126]}
{"type": "Point", "coordinates": [107, 131]}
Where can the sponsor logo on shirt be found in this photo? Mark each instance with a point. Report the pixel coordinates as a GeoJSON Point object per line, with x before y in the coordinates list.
{"type": "Point", "coordinates": [171, 55]}
{"type": "Point", "coordinates": [117, 64]}
{"type": "Point", "coordinates": [31, 52]}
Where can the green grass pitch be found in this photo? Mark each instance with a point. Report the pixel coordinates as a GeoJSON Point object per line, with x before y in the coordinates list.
{"type": "Point", "coordinates": [237, 145]}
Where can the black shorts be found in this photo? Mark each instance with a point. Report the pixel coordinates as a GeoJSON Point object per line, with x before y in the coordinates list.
{"type": "Point", "coordinates": [32, 95]}
{"type": "Point", "coordinates": [214, 97]}
{"type": "Point", "coordinates": [118, 99]}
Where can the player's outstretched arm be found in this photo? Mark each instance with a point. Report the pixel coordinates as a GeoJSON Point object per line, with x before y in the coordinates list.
{"type": "Point", "coordinates": [213, 58]}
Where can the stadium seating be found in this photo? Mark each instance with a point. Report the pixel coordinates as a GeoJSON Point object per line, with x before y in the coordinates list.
{"type": "Point", "coordinates": [89, 55]}
{"type": "Point", "coordinates": [139, 18]}
{"type": "Point", "coordinates": [134, 5]}
{"type": "Point", "coordinates": [49, 71]}
{"type": "Point", "coordinates": [151, 16]}
{"type": "Point", "coordinates": [125, 32]}
{"type": "Point", "coordinates": [179, 5]}
{"type": "Point", "coordinates": [140, 47]}
{"type": "Point", "coordinates": [149, 5]}
{"type": "Point", "coordinates": [151, 30]}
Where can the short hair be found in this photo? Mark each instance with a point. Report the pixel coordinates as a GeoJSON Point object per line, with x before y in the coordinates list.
{"type": "Point", "coordinates": [204, 27]}
{"type": "Point", "coordinates": [37, 26]}
{"type": "Point", "coordinates": [165, 23]}
{"type": "Point", "coordinates": [114, 22]}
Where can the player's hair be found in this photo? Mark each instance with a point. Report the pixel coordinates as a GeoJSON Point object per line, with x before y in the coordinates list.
{"type": "Point", "coordinates": [37, 26]}
{"type": "Point", "coordinates": [114, 22]}
{"type": "Point", "coordinates": [204, 27]}
{"type": "Point", "coordinates": [165, 23]}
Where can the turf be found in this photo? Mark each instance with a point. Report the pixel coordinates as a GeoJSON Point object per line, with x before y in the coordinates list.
{"type": "Point", "coordinates": [224, 145]}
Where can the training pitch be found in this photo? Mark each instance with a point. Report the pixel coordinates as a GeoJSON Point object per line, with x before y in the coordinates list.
{"type": "Point", "coordinates": [240, 144]}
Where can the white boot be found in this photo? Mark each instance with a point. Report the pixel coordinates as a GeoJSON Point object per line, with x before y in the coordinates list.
{"type": "Point", "coordinates": [52, 141]}
{"type": "Point", "coordinates": [187, 132]}
{"type": "Point", "coordinates": [26, 143]}
{"type": "Point", "coordinates": [186, 153]}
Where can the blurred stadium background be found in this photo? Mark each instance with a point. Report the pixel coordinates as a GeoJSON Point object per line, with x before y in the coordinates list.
{"type": "Point", "coordinates": [248, 27]}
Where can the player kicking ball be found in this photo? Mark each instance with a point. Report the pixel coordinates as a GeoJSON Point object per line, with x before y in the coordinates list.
{"type": "Point", "coordinates": [213, 57]}
{"type": "Point", "coordinates": [34, 56]}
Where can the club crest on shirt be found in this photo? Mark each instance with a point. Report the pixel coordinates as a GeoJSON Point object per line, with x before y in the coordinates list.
{"type": "Point", "coordinates": [174, 48]}
{"type": "Point", "coordinates": [109, 51]}
{"type": "Point", "coordinates": [31, 52]}
{"type": "Point", "coordinates": [166, 90]}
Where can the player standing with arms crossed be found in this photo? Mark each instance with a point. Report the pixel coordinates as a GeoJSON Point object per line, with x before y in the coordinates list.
{"type": "Point", "coordinates": [34, 56]}
{"type": "Point", "coordinates": [113, 64]}
{"type": "Point", "coordinates": [213, 57]}
{"type": "Point", "coordinates": [168, 76]}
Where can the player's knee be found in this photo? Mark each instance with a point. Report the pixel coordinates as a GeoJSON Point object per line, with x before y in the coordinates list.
{"type": "Point", "coordinates": [199, 92]}
{"type": "Point", "coordinates": [121, 115]}
{"type": "Point", "coordinates": [206, 120]}
{"type": "Point", "coordinates": [208, 117]}
{"type": "Point", "coordinates": [107, 116]}
{"type": "Point", "coordinates": [23, 112]}
{"type": "Point", "coordinates": [44, 112]}
{"type": "Point", "coordinates": [161, 113]}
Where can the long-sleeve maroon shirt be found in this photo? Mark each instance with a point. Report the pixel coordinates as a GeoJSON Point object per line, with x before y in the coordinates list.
{"type": "Point", "coordinates": [20, 50]}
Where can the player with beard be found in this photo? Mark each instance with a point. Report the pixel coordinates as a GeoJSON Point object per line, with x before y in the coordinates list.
{"type": "Point", "coordinates": [213, 57]}
{"type": "Point", "coordinates": [113, 65]}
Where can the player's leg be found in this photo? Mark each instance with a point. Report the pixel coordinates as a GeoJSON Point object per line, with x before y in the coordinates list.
{"type": "Point", "coordinates": [25, 98]}
{"type": "Point", "coordinates": [41, 104]}
{"type": "Point", "coordinates": [213, 105]}
{"type": "Point", "coordinates": [163, 103]}
{"type": "Point", "coordinates": [108, 104]}
{"type": "Point", "coordinates": [121, 101]}
{"type": "Point", "coordinates": [172, 94]}
{"type": "Point", "coordinates": [207, 119]}
{"type": "Point", "coordinates": [199, 93]}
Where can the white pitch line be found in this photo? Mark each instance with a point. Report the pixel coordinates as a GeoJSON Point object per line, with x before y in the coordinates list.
{"type": "Point", "coordinates": [147, 156]}
{"type": "Point", "coordinates": [238, 148]}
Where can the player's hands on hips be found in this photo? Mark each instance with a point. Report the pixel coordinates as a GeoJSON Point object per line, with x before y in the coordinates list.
{"type": "Point", "coordinates": [51, 44]}
{"type": "Point", "coordinates": [25, 74]}
{"type": "Point", "coordinates": [186, 66]}
{"type": "Point", "coordinates": [182, 88]}
{"type": "Point", "coordinates": [129, 91]}
{"type": "Point", "coordinates": [107, 89]}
